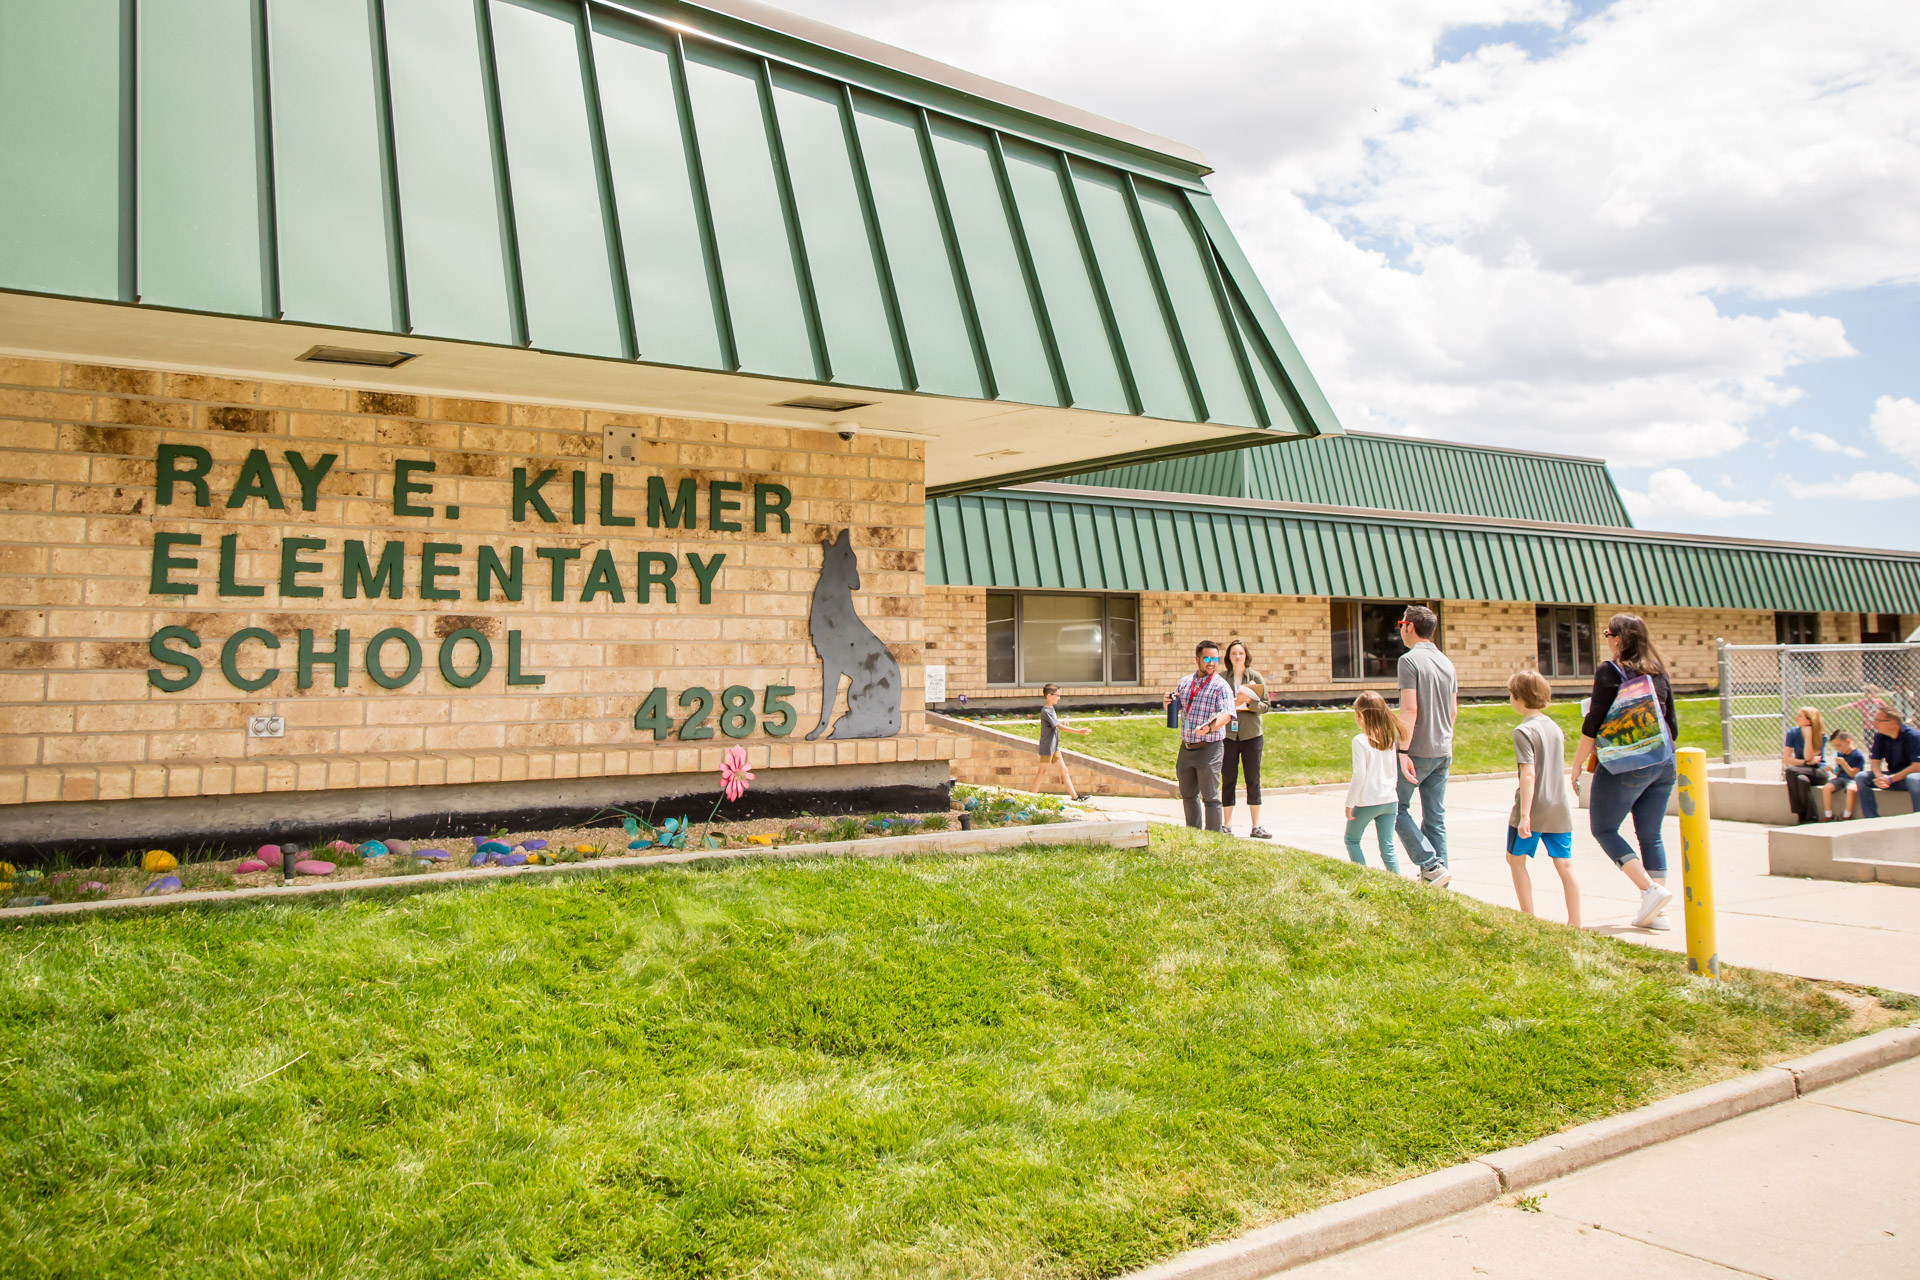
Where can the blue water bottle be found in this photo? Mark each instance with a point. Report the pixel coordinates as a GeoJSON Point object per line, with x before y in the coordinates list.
{"type": "Point", "coordinates": [1173, 710]}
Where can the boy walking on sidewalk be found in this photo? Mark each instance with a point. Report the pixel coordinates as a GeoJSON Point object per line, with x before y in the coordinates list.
{"type": "Point", "coordinates": [1050, 727]}
{"type": "Point", "coordinates": [1542, 811]}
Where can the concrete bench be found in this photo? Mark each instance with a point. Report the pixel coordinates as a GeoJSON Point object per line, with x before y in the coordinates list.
{"type": "Point", "coordinates": [1882, 849]}
{"type": "Point", "coordinates": [1715, 771]}
{"type": "Point", "coordinates": [1736, 794]}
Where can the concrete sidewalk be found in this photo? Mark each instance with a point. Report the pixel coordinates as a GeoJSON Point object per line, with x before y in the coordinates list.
{"type": "Point", "coordinates": [1860, 933]}
{"type": "Point", "coordinates": [1821, 1187]}
{"type": "Point", "coordinates": [1826, 1186]}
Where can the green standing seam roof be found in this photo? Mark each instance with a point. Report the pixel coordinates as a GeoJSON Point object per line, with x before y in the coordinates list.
{"type": "Point", "coordinates": [644, 180]}
{"type": "Point", "coordinates": [1034, 540]}
{"type": "Point", "coordinates": [1391, 473]}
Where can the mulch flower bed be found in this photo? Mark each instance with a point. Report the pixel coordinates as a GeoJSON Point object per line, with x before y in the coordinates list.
{"type": "Point", "coordinates": [619, 834]}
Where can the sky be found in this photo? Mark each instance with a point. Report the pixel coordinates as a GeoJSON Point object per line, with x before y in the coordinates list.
{"type": "Point", "coordinates": [1682, 236]}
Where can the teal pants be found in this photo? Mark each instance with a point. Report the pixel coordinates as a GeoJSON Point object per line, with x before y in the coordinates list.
{"type": "Point", "coordinates": [1381, 818]}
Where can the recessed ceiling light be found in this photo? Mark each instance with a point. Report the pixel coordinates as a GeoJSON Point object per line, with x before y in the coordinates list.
{"type": "Point", "coordinates": [824, 404]}
{"type": "Point", "coordinates": [355, 355]}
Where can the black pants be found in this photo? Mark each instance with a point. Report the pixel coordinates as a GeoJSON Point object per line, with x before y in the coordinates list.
{"type": "Point", "coordinates": [1241, 753]}
{"type": "Point", "coordinates": [1803, 790]}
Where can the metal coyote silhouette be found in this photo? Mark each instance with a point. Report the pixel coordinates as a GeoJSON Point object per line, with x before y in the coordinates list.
{"type": "Point", "coordinates": [848, 648]}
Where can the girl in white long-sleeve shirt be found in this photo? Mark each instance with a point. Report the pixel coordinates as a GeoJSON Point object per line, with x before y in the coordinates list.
{"type": "Point", "coordinates": [1373, 796]}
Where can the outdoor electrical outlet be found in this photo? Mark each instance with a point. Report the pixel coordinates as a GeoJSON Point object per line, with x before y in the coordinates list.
{"type": "Point", "coordinates": [620, 444]}
{"type": "Point", "coordinates": [266, 727]}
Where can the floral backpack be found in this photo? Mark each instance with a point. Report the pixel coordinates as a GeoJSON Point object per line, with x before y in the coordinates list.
{"type": "Point", "coordinates": [1634, 734]}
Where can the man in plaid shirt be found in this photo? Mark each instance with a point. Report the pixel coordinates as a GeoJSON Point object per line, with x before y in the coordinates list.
{"type": "Point", "coordinates": [1206, 708]}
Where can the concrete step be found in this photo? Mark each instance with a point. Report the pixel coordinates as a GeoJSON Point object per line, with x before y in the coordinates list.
{"type": "Point", "coordinates": [1886, 849]}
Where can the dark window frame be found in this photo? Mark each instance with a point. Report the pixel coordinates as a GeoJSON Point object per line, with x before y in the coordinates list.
{"type": "Point", "coordinates": [1109, 649]}
{"type": "Point", "coordinates": [1790, 627]}
{"type": "Point", "coordinates": [1547, 619]}
{"type": "Point", "coordinates": [1341, 637]}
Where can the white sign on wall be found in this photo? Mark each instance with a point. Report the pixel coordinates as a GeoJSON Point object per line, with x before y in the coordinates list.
{"type": "Point", "coordinates": [936, 679]}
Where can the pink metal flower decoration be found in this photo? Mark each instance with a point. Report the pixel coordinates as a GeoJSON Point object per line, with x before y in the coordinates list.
{"type": "Point", "coordinates": [735, 773]}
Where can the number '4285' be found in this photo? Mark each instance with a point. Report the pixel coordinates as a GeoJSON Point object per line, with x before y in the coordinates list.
{"type": "Point", "coordinates": [737, 717]}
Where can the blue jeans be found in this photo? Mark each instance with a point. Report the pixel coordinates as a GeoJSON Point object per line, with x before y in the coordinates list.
{"type": "Point", "coordinates": [1380, 818]}
{"type": "Point", "coordinates": [1644, 794]}
{"type": "Point", "coordinates": [1425, 841]}
{"type": "Point", "coordinates": [1870, 794]}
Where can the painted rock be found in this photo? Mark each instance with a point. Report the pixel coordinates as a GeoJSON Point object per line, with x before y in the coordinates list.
{"type": "Point", "coordinates": [510, 859]}
{"type": "Point", "coordinates": [158, 860]}
{"type": "Point", "coordinates": [165, 884]}
{"type": "Point", "coordinates": [268, 853]}
{"type": "Point", "coordinates": [312, 867]}
{"type": "Point", "coordinates": [762, 840]}
{"type": "Point", "coordinates": [431, 855]}
{"type": "Point", "coordinates": [38, 900]}
{"type": "Point", "coordinates": [93, 886]}
{"type": "Point", "coordinates": [479, 859]}
{"type": "Point", "coordinates": [494, 846]}
{"type": "Point", "coordinates": [531, 845]}
{"type": "Point", "coordinates": [402, 847]}
{"type": "Point", "coordinates": [972, 802]}
{"type": "Point", "coordinates": [251, 865]}
{"type": "Point", "coordinates": [341, 846]}
{"type": "Point", "coordinates": [28, 877]}
{"type": "Point", "coordinates": [640, 844]}
{"type": "Point", "coordinates": [373, 849]}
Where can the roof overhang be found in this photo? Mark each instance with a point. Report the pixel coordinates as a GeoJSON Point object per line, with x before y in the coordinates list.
{"type": "Point", "coordinates": [970, 444]}
{"type": "Point", "coordinates": [654, 205]}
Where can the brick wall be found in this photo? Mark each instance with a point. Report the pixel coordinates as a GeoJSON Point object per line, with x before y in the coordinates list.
{"type": "Point", "coordinates": [1290, 637]}
{"type": "Point", "coordinates": [81, 719]}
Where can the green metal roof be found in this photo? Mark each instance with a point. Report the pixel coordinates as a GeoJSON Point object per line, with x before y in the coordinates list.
{"type": "Point", "coordinates": [1393, 473]}
{"type": "Point", "coordinates": [1079, 542]}
{"type": "Point", "coordinates": [649, 180]}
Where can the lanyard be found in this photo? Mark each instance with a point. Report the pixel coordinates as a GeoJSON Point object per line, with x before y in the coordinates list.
{"type": "Point", "coordinates": [1193, 691]}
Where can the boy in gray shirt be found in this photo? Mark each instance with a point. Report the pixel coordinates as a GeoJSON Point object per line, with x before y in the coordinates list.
{"type": "Point", "coordinates": [1050, 727]}
{"type": "Point", "coordinates": [1542, 809]}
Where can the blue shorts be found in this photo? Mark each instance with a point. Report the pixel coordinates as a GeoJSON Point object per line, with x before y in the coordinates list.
{"type": "Point", "coordinates": [1559, 843]}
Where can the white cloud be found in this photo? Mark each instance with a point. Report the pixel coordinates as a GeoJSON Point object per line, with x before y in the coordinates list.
{"type": "Point", "coordinates": [1672, 492]}
{"type": "Point", "coordinates": [1825, 443]}
{"type": "Point", "coordinates": [1896, 425]}
{"type": "Point", "coordinates": [1861, 486]}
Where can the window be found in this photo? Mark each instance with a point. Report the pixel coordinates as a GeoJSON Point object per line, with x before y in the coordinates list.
{"type": "Point", "coordinates": [1366, 637]}
{"type": "Point", "coordinates": [1038, 637]}
{"type": "Point", "coordinates": [1796, 628]}
{"type": "Point", "coordinates": [1565, 640]}
{"type": "Point", "coordinates": [1879, 628]}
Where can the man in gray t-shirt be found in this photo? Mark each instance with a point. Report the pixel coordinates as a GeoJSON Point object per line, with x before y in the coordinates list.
{"type": "Point", "coordinates": [1429, 702]}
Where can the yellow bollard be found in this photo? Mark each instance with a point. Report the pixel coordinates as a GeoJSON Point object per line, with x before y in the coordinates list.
{"type": "Point", "coordinates": [1696, 863]}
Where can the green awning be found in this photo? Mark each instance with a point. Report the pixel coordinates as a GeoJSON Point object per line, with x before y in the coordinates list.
{"type": "Point", "coordinates": [646, 181]}
{"type": "Point", "coordinates": [1392, 473]}
{"type": "Point", "coordinates": [1045, 540]}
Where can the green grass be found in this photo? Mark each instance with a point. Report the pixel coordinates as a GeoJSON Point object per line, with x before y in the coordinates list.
{"type": "Point", "coordinates": [1065, 1062]}
{"type": "Point", "coordinates": [1313, 746]}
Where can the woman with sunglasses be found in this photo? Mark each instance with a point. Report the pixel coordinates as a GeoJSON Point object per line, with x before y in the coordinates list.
{"type": "Point", "coordinates": [1641, 793]}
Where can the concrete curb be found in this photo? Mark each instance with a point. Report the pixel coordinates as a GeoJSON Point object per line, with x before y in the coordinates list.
{"type": "Point", "coordinates": [1336, 1228]}
{"type": "Point", "coordinates": [1119, 833]}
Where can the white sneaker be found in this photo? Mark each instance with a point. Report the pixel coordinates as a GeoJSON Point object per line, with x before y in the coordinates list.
{"type": "Point", "coordinates": [1436, 875]}
{"type": "Point", "coordinates": [1659, 924]}
{"type": "Point", "coordinates": [1652, 902]}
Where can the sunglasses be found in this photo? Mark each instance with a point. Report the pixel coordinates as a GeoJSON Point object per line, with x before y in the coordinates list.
{"type": "Point", "coordinates": [1209, 661]}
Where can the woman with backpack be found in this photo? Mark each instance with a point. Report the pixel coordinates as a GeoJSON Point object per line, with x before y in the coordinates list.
{"type": "Point", "coordinates": [1629, 731]}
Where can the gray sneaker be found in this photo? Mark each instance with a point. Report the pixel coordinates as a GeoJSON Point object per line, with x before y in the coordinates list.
{"type": "Point", "coordinates": [1435, 875]}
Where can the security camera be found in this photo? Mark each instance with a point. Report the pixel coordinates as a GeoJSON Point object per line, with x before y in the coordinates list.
{"type": "Point", "coordinates": [847, 430]}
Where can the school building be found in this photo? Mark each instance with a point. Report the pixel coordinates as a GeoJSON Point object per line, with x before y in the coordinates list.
{"type": "Point", "coordinates": [430, 411]}
{"type": "Point", "coordinates": [1310, 551]}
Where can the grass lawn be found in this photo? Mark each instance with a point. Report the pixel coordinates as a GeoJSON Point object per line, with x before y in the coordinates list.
{"type": "Point", "coordinates": [1312, 746]}
{"type": "Point", "coordinates": [1049, 1063]}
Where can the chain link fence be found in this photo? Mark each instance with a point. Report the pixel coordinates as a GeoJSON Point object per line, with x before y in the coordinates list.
{"type": "Point", "coordinates": [1763, 687]}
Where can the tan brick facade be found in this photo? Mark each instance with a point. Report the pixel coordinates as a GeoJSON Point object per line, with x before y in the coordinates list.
{"type": "Point", "coordinates": [80, 716]}
{"type": "Point", "coordinates": [1290, 637]}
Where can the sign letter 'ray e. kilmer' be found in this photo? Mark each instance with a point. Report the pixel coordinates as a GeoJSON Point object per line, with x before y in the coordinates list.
{"type": "Point", "coordinates": [847, 648]}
